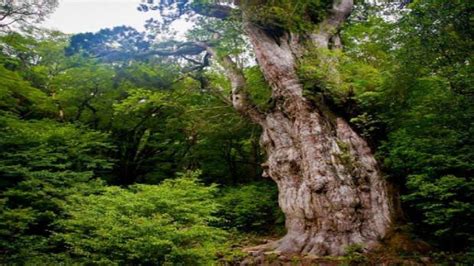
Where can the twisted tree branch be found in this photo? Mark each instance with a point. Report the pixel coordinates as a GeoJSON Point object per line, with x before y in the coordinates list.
{"type": "Point", "coordinates": [240, 97]}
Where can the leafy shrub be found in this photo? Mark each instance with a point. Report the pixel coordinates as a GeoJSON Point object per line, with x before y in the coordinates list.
{"type": "Point", "coordinates": [156, 224]}
{"type": "Point", "coordinates": [251, 207]}
{"type": "Point", "coordinates": [29, 212]}
{"type": "Point", "coordinates": [445, 204]}
{"type": "Point", "coordinates": [355, 254]}
{"type": "Point", "coordinates": [41, 164]}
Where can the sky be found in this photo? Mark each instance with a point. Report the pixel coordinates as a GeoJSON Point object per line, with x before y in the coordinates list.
{"type": "Point", "coordinates": [75, 16]}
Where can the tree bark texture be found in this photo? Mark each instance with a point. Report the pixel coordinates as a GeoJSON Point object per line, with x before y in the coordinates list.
{"type": "Point", "coordinates": [331, 189]}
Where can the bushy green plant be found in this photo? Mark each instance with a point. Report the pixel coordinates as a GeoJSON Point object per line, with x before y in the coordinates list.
{"type": "Point", "coordinates": [355, 254]}
{"type": "Point", "coordinates": [30, 210]}
{"type": "Point", "coordinates": [41, 164]}
{"type": "Point", "coordinates": [47, 145]}
{"type": "Point", "coordinates": [251, 207]}
{"type": "Point", "coordinates": [445, 204]}
{"type": "Point", "coordinates": [431, 146]}
{"type": "Point", "coordinates": [156, 224]}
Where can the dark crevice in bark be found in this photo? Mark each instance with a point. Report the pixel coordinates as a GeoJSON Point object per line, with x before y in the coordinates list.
{"type": "Point", "coordinates": [331, 110]}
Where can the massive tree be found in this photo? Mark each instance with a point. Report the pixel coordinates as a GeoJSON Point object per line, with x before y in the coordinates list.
{"type": "Point", "coordinates": [331, 188]}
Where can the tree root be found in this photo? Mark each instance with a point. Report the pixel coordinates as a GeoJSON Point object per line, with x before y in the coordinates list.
{"type": "Point", "coordinates": [269, 247]}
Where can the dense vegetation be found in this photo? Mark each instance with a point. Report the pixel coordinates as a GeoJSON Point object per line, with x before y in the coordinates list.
{"type": "Point", "coordinates": [132, 161]}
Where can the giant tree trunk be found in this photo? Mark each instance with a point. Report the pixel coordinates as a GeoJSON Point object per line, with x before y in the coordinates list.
{"type": "Point", "coordinates": [330, 187]}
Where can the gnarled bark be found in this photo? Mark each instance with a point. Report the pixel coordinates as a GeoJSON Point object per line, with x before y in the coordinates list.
{"type": "Point", "coordinates": [330, 188]}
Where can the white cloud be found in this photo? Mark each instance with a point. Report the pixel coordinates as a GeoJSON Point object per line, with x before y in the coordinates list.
{"type": "Point", "coordinates": [74, 16]}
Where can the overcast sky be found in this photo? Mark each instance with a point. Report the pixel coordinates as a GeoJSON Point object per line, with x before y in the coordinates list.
{"type": "Point", "coordinates": [74, 16]}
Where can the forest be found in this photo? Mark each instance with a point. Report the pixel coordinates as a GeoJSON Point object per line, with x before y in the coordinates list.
{"type": "Point", "coordinates": [274, 132]}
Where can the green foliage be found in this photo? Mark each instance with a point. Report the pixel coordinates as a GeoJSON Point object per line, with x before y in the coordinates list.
{"type": "Point", "coordinates": [258, 88]}
{"type": "Point", "coordinates": [231, 40]}
{"type": "Point", "coordinates": [42, 163]}
{"type": "Point", "coordinates": [355, 254]}
{"type": "Point", "coordinates": [347, 84]}
{"type": "Point", "coordinates": [46, 145]}
{"type": "Point", "coordinates": [240, 209]}
{"type": "Point", "coordinates": [29, 212]}
{"type": "Point", "coordinates": [67, 124]}
{"type": "Point", "coordinates": [421, 112]}
{"type": "Point", "coordinates": [296, 16]}
{"type": "Point", "coordinates": [437, 35]}
{"type": "Point", "coordinates": [18, 96]}
{"type": "Point", "coordinates": [446, 205]}
{"type": "Point", "coordinates": [164, 224]}
{"type": "Point", "coordinates": [321, 73]}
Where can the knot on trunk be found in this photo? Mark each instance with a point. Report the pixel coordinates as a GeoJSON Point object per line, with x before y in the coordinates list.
{"type": "Point", "coordinates": [318, 184]}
